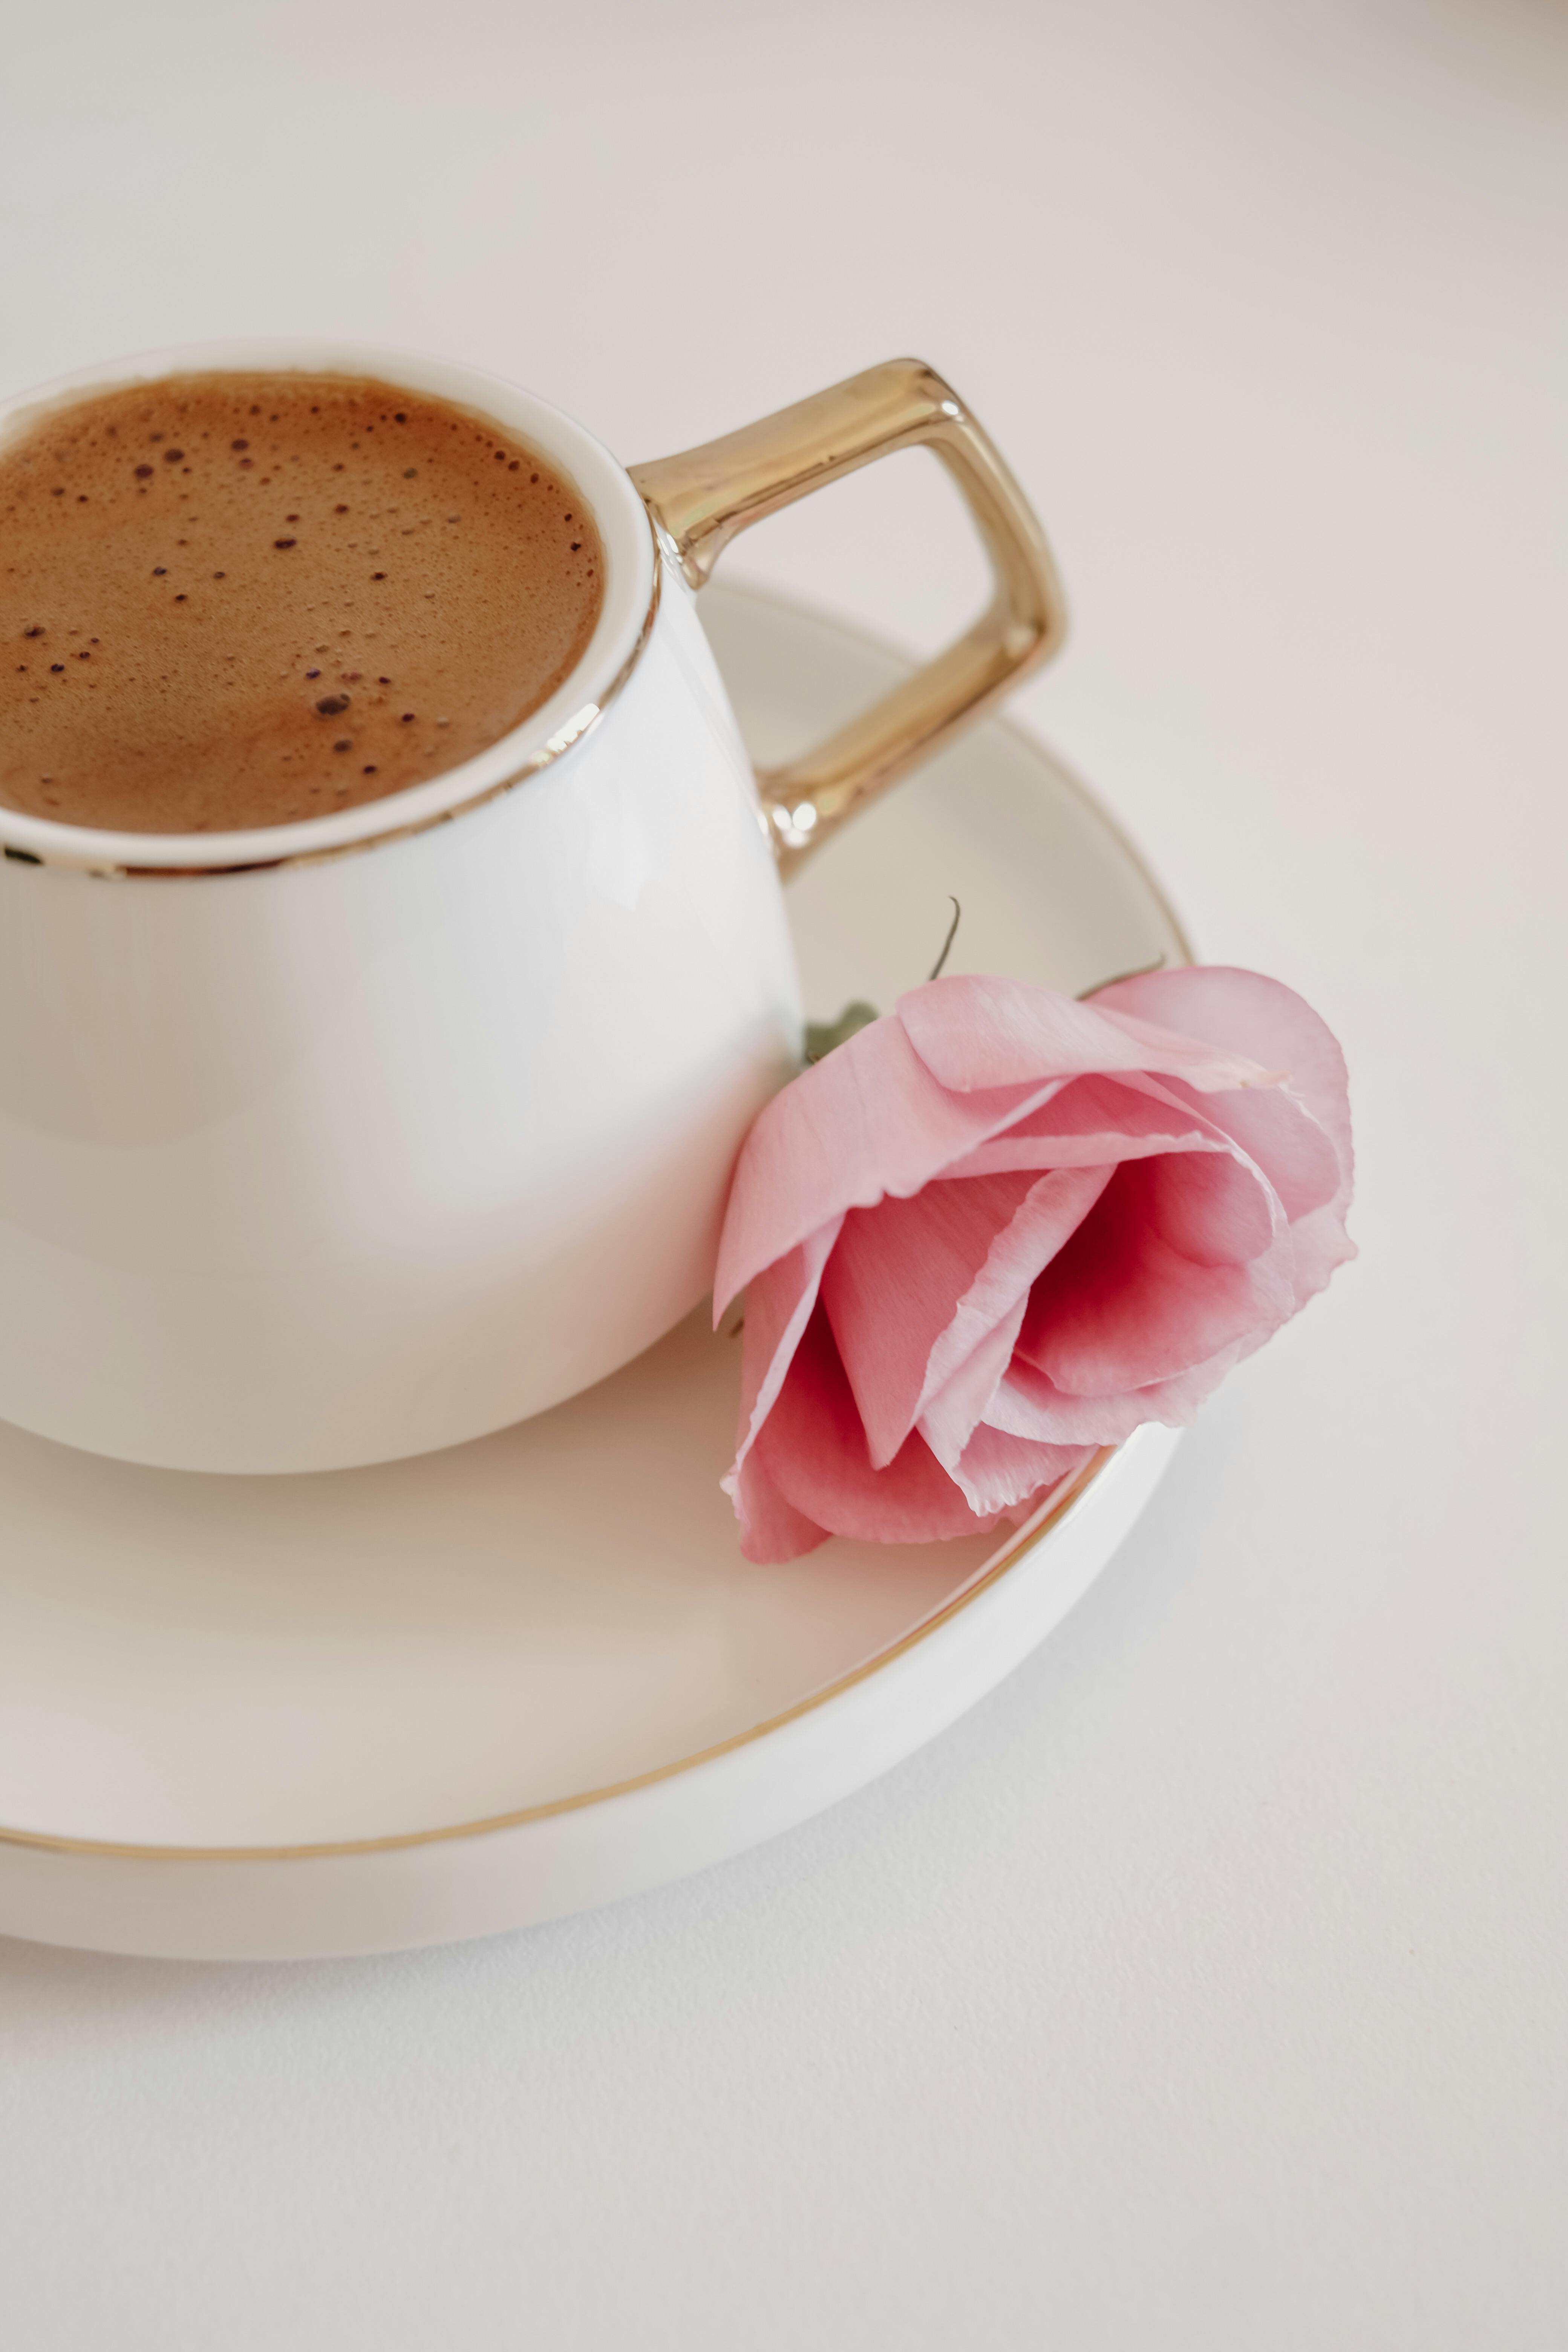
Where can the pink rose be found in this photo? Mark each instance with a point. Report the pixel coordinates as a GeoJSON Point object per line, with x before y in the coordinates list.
{"type": "Point", "coordinates": [1000, 1228]}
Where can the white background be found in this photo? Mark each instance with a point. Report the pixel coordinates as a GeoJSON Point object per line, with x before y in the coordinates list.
{"type": "Point", "coordinates": [1204, 1986]}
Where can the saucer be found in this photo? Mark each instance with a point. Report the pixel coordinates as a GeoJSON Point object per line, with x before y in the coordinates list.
{"type": "Point", "coordinates": [358, 1711]}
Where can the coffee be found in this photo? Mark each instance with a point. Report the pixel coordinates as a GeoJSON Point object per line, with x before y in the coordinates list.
{"type": "Point", "coordinates": [230, 601]}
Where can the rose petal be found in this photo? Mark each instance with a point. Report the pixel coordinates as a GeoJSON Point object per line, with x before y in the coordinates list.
{"type": "Point", "coordinates": [1216, 1000]}
{"type": "Point", "coordinates": [1094, 1120]}
{"type": "Point", "coordinates": [812, 1449]}
{"type": "Point", "coordinates": [866, 1122]}
{"type": "Point", "coordinates": [1210, 1207]}
{"type": "Point", "coordinates": [974, 1032]}
{"type": "Point", "coordinates": [925, 1254]}
{"type": "Point", "coordinates": [1275, 1131]}
{"type": "Point", "coordinates": [1290, 1137]}
{"type": "Point", "coordinates": [779, 1304]}
{"type": "Point", "coordinates": [1163, 1115]}
{"type": "Point", "coordinates": [953, 1411]}
{"type": "Point", "coordinates": [1318, 1245]}
{"type": "Point", "coordinates": [1251, 1013]}
{"type": "Point", "coordinates": [1029, 1405]}
{"type": "Point", "coordinates": [772, 1530]}
{"type": "Point", "coordinates": [997, 1471]}
{"type": "Point", "coordinates": [1119, 1307]}
{"type": "Point", "coordinates": [968, 1359]}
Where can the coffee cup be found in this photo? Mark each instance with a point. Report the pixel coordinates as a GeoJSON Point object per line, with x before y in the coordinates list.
{"type": "Point", "coordinates": [337, 1140]}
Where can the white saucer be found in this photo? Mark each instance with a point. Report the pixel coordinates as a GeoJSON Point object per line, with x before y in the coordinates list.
{"type": "Point", "coordinates": [271, 1717]}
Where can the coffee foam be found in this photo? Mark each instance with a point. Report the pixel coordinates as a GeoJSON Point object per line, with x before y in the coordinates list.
{"type": "Point", "coordinates": [233, 601]}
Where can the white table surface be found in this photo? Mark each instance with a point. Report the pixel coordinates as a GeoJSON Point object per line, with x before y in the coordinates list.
{"type": "Point", "coordinates": [1204, 1986]}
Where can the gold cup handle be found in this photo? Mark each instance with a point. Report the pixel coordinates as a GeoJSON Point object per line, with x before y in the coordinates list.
{"type": "Point", "coordinates": [703, 496]}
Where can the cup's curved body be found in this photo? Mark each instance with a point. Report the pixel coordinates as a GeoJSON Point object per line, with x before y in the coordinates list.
{"type": "Point", "coordinates": [351, 1156]}
{"type": "Point", "coordinates": [334, 1141]}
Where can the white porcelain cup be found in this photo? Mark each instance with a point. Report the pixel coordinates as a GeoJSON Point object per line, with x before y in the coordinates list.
{"type": "Point", "coordinates": [330, 1142]}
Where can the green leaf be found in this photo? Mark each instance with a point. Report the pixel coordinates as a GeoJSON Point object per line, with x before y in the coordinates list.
{"type": "Point", "coordinates": [821, 1037]}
